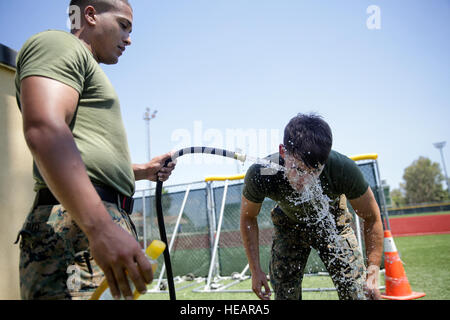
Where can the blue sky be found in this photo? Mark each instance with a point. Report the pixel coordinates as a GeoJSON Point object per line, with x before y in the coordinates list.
{"type": "Point", "coordinates": [211, 67]}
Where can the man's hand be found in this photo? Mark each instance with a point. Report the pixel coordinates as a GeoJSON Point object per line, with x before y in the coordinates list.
{"type": "Point", "coordinates": [259, 281]}
{"type": "Point", "coordinates": [155, 170]}
{"type": "Point", "coordinates": [120, 256]}
{"type": "Point", "coordinates": [371, 286]}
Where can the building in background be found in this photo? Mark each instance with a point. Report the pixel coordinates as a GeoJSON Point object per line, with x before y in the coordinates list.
{"type": "Point", "coordinates": [16, 179]}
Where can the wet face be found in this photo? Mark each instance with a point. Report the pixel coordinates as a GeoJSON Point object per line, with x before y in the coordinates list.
{"type": "Point", "coordinates": [297, 173]}
{"type": "Point", "coordinates": [111, 34]}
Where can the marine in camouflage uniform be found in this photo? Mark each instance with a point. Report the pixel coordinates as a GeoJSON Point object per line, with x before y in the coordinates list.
{"type": "Point", "coordinates": [55, 261]}
{"type": "Point", "coordinates": [339, 252]}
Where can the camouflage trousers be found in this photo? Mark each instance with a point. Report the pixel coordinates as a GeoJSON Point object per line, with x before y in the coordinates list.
{"type": "Point", "coordinates": [336, 245]}
{"type": "Point", "coordinates": [55, 260]}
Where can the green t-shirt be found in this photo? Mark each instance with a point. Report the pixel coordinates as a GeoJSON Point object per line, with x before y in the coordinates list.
{"type": "Point", "coordinates": [340, 176]}
{"type": "Point", "coordinates": [97, 127]}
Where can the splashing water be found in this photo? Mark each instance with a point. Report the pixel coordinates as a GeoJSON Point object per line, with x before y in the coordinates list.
{"type": "Point", "coordinates": [311, 193]}
{"type": "Point", "coordinates": [323, 221]}
{"type": "Point", "coordinates": [320, 216]}
{"type": "Point", "coordinates": [266, 163]}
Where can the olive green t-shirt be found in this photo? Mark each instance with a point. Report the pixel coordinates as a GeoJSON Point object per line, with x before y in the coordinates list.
{"type": "Point", "coordinates": [340, 176]}
{"type": "Point", "coordinates": [97, 128]}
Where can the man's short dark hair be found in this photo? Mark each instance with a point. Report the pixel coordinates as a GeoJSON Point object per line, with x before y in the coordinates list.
{"type": "Point", "coordinates": [99, 5]}
{"type": "Point", "coordinates": [308, 137]}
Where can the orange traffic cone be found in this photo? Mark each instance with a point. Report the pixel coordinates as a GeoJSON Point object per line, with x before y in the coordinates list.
{"type": "Point", "coordinates": [397, 284]}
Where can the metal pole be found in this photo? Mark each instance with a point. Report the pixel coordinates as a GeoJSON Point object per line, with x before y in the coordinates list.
{"type": "Point", "coordinates": [216, 242]}
{"type": "Point", "coordinates": [144, 219]}
{"type": "Point", "coordinates": [242, 274]}
{"type": "Point", "coordinates": [440, 146]}
{"type": "Point", "coordinates": [147, 118]}
{"type": "Point", "coordinates": [211, 214]}
{"type": "Point", "coordinates": [443, 165]}
{"type": "Point", "coordinates": [358, 234]}
{"type": "Point", "coordinates": [383, 210]}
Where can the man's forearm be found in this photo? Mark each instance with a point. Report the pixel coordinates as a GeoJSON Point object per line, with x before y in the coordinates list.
{"type": "Point", "coordinates": [155, 169]}
{"type": "Point", "coordinates": [250, 238]}
{"type": "Point", "coordinates": [367, 208]}
{"type": "Point", "coordinates": [63, 170]}
{"type": "Point", "coordinates": [139, 171]}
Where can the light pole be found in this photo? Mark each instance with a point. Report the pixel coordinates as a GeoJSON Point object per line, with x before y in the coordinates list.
{"type": "Point", "coordinates": [147, 118]}
{"type": "Point", "coordinates": [440, 146]}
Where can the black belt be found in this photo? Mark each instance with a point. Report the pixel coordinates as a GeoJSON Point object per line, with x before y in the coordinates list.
{"type": "Point", "coordinates": [44, 197]}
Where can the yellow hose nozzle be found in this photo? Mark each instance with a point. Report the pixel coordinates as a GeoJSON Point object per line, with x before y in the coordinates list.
{"type": "Point", "coordinates": [153, 251]}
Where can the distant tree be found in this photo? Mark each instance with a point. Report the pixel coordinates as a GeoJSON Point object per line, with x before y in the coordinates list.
{"type": "Point", "coordinates": [398, 198]}
{"type": "Point", "coordinates": [423, 182]}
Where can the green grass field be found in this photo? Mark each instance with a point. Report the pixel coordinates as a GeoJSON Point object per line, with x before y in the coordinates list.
{"type": "Point", "coordinates": [426, 260]}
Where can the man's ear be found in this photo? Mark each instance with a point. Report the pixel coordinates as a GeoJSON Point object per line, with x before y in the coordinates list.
{"type": "Point", "coordinates": [90, 15]}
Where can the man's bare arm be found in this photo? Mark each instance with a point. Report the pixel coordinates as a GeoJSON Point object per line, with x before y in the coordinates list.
{"type": "Point", "coordinates": [250, 238]}
{"type": "Point", "coordinates": [367, 208]}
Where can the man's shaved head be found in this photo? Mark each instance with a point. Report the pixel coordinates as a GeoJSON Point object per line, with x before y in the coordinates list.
{"type": "Point", "coordinates": [103, 25]}
{"type": "Point", "coordinates": [99, 5]}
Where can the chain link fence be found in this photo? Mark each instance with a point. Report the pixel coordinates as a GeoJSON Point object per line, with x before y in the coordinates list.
{"type": "Point", "coordinates": [192, 215]}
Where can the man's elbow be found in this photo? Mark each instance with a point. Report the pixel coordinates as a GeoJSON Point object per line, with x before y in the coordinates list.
{"type": "Point", "coordinates": [40, 137]}
{"type": "Point", "coordinates": [33, 137]}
